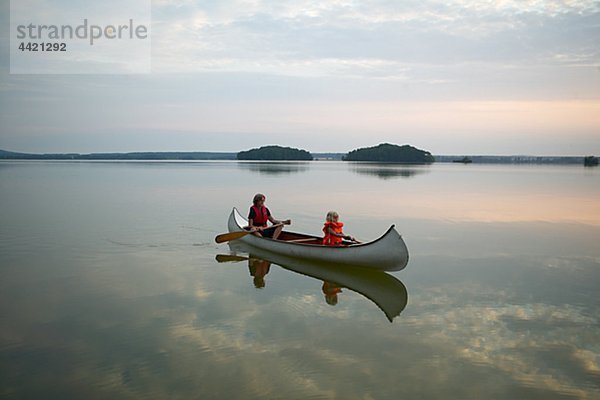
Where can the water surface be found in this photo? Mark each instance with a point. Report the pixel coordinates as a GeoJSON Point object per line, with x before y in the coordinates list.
{"type": "Point", "coordinates": [109, 286]}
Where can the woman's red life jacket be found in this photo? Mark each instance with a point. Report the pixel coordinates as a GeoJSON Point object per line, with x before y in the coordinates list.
{"type": "Point", "coordinates": [329, 239]}
{"type": "Point", "coordinates": [261, 217]}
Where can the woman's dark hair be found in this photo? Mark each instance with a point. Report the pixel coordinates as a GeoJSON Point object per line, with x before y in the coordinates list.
{"type": "Point", "coordinates": [258, 197]}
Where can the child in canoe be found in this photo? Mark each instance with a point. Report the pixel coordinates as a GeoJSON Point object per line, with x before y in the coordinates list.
{"type": "Point", "coordinates": [333, 230]}
{"type": "Point", "coordinates": [331, 290]}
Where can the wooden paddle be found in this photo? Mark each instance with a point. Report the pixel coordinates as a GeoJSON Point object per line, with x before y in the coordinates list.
{"type": "Point", "coordinates": [353, 241]}
{"type": "Point", "coordinates": [221, 258]}
{"type": "Point", "coordinates": [228, 237]}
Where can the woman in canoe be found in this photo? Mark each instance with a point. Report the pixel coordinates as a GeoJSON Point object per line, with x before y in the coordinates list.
{"type": "Point", "coordinates": [258, 217]}
{"type": "Point", "coordinates": [333, 230]}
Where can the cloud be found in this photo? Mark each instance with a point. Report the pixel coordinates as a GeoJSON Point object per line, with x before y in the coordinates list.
{"type": "Point", "coordinates": [247, 37]}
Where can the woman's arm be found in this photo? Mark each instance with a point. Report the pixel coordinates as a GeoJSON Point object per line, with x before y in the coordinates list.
{"type": "Point", "coordinates": [276, 221]}
{"type": "Point", "coordinates": [252, 227]}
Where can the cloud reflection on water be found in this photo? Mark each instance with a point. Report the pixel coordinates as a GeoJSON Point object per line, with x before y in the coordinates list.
{"type": "Point", "coordinates": [181, 330]}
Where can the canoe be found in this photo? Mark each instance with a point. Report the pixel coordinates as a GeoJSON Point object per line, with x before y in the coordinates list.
{"type": "Point", "coordinates": [383, 289]}
{"type": "Point", "coordinates": [387, 253]}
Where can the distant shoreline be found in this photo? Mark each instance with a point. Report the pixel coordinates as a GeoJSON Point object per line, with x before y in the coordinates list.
{"type": "Point", "coordinates": [224, 156]}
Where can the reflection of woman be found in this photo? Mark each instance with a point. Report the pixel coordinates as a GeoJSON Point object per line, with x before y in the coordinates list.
{"type": "Point", "coordinates": [258, 217]}
{"type": "Point", "coordinates": [258, 269]}
{"type": "Point", "coordinates": [331, 291]}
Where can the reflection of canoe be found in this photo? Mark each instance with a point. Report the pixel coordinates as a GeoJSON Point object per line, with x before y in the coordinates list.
{"type": "Point", "coordinates": [388, 253]}
{"type": "Point", "coordinates": [386, 291]}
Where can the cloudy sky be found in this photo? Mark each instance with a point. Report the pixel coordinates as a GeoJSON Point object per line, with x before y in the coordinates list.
{"type": "Point", "coordinates": [452, 77]}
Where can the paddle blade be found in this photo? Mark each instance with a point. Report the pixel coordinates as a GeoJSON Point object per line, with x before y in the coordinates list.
{"type": "Point", "coordinates": [227, 237]}
{"type": "Point", "coordinates": [221, 258]}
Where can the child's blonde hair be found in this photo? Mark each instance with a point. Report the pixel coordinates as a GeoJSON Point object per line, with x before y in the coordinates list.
{"type": "Point", "coordinates": [331, 215]}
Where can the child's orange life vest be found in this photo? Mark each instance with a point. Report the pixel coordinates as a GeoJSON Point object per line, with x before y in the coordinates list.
{"type": "Point", "coordinates": [329, 239]}
{"type": "Point", "coordinates": [330, 289]}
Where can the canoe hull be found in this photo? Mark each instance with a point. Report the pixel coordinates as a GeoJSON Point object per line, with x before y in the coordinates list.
{"type": "Point", "coordinates": [387, 253]}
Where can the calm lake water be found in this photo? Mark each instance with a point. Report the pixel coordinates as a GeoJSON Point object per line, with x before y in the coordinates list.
{"type": "Point", "coordinates": [109, 286]}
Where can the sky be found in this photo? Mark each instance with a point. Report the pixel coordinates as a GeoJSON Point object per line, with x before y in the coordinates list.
{"type": "Point", "coordinates": [452, 77]}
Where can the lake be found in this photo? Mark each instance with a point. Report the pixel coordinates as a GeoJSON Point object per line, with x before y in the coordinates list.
{"type": "Point", "coordinates": [110, 287]}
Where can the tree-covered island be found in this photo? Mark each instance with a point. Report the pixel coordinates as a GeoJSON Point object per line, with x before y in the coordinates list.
{"type": "Point", "coordinates": [392, 153]}
{"type": "Point", "coordinates": [590, 161]}
{"type": "Point", "coordinates": [275, 153]}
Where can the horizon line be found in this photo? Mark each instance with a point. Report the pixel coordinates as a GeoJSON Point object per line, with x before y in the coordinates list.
{"type": "Point", "coordinates": [316, 152]}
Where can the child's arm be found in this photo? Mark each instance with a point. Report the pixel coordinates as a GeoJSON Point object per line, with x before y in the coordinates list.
{"type": "Point", "coordinates": [341, 234]}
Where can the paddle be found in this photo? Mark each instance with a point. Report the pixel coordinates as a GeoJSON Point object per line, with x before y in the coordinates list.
{"type": "Point", "coordinates": [228, 237]}
{"type": "Point", "coordinates": [221, 258]}
{"type": "Point", "coordinates": [353, 241]}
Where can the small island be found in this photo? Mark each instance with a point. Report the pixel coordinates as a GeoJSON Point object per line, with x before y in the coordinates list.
{"type": "Point", "coordinates": [464, 160]}
{"type": "Point", "coordinates": [275, 153]}
{"type": "Point", "coordinates": [590, 161]}
{"type": "Point", "coordinates": [391, 153]}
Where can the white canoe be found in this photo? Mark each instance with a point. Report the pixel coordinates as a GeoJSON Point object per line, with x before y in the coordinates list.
{"type": "Point", "coordinates": [387, 253]}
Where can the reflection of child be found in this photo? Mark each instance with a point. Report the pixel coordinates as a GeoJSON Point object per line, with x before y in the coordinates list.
{"type": "Point", "coordinates": [333, 231]}
{"type": "Point", "coordinates": [331, 290]}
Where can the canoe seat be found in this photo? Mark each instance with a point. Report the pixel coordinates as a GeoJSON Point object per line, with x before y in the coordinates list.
{"type": "Point", "coordinates": [299, 238]}
{"type": "Point", "coordinates": [302, 240]}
